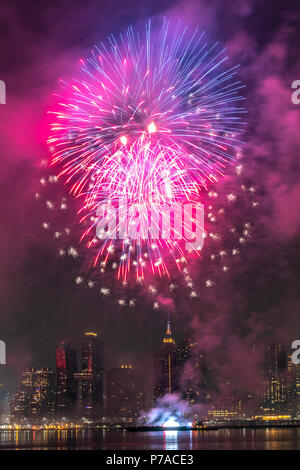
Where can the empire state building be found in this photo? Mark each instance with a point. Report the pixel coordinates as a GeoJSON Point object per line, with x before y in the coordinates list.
{"type": "Point", "coordinates": [165, 379]}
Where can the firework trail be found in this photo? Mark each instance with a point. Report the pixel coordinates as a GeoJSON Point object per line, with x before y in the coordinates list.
{"type": "Point", "coordinates": [230, 226]}
{"type": "Point", "coordinates": [153, 121]}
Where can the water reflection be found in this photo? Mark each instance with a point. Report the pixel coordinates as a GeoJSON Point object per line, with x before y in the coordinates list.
{"type": "Point", "coordinates": [268, 439]}
{"type": "Point", "coordinates": [170, 440]}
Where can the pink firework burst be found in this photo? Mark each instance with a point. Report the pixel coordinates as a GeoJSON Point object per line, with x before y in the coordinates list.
{"type": "Point", "coordinates": [150, 123]}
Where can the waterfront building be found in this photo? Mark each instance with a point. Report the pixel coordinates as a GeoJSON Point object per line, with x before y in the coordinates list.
{"type": "Point", "coordinates": [90, 379]}
{"type": "Point", "coordinates": [66, 386]}
{"type": "Point", "coordinates": [125, 394]}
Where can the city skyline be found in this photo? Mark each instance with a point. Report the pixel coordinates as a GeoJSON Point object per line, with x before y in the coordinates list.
{"type": "Point", "coordinates": [38, 292]}
{"type": "Point", "coordinates": [87, 388]}
{"type": "Point", "coordinates": [150, 242]}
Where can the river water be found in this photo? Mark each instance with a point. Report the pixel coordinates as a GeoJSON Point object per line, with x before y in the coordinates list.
{"type": "Point", "coordinates": [231, 439]}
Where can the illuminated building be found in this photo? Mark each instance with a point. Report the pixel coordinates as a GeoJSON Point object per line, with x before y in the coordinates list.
{"type": "Point", "coordinates": [291, 387]}
{"type": "Point", "coordinates": [165, 370]}
{"type": "Point", "coordinates": [4, 406]}
{"type": "Point", "coordinates": [125, 395]}
{"type": "Point", "coordinates": [275, 389]}
{"type": "Point", "coordinates": [297, 389]}
{"type": "Point", "coordinates": [90, 379]}
{"type": "Point", "coordinates": [19, 405]}
{"type": "Point", "coordinates": [21, 401]}
{"type": "Point", "coordinates": [43, 400]}
{"type": "Point", "coordinates": [35, 397]}
{"type": "Point", "coordinates": [66, 387]}
{"type": "Point", "coordinates": [230, 413]}
{"type": "Point", "coordinates": [191, 366]}
{"type": "Point", "coordinates": [226, 404]}
{"type": "Point", "coordinates": [273, 417]}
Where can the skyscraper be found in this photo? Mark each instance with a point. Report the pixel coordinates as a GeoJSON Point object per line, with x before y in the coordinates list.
{"type": "Point", "coordinates": [193, 370]}
{"type": "Point", "coordinates": [125, 395]}
{"type": "Point", "coordinates": [35, 397]}
{"type": "Point", "coordinates": [90, 379]}
{"type": "Point", "coordinates": [165, 376]}
{"type": "Point", "coordinates": [274, 387]}
{"type": "Point", "coordinates": [43, 400]}
{"type": "Point", "coordinates": [291, 387]}
{"type": "Point", "coordinates": [66, 366]}
{"type": "Point", "coordinates": [4, 405]}
{"type": "Point", "coordinates": [296, 368]}
{"type": "Point", "coordinates": [22, 399]}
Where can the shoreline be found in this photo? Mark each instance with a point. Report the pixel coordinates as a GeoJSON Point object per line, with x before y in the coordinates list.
{"type": "Point", "coordinates": [97, 427]}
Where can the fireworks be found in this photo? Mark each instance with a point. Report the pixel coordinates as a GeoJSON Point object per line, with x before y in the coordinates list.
{"type": "Point", "coordinates": [229, 230]}
{"type": "Point", "coordinates": [153, 120]}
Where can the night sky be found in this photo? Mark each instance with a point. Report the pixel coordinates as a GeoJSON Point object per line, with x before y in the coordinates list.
{"type": "Point", "coordinates": [39, 303]}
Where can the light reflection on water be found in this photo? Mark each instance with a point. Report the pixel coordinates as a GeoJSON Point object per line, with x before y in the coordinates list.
{"type": "Point", "coordinates": [244, 439]}
{"type": "Point", "coordinates": [170, 440]}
